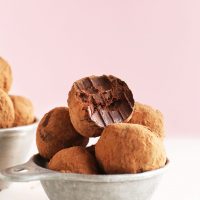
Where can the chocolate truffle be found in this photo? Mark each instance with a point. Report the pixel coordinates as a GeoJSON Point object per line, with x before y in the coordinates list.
{"type": "Point", "coordinates": [24, 112]}
{"type": "Point", "coordinates": [149, 117]}
{"type": "Point", "coordinates": [55, 132]}
{"type": "Point", "coordinates": [97, 101]}
{"type": "Point", "coordinates": [129, 148]}
{"type": "Point", "coordinates": [74, 160]}
{"type": "Point", "coordinates": [5, 75]}
{"type": "Point", "coordinates": [7, 113]}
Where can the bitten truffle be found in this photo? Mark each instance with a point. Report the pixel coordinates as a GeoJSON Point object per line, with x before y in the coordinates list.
{"type": "Point", "coordinates": [149, 117]}
{"type": "Point", "coordinates": [7, 113]}
{"type": "Point", "coordinates": [97, 101]}
{"type": "Point", "coordinates": [129, 148]}
{"type": "Point", "coordinates": [5, 75]}
{"type": "Point", "coordinates": [24, 111]}
{"type": "Point", "coordinates": [55, 132]}
{"type": "Point", "coordinates": [74, 160]}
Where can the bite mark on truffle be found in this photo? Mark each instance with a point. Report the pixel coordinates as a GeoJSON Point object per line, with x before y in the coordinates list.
{"type": "Point", "coordinates": [108, 99]}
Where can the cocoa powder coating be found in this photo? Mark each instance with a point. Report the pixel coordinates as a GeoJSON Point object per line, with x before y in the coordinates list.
{"type": "Point", "coordinates": [7, 113]}
{"type": "Point", "coordinates": [74, 160]}
{"type": "Point", "coordinates": [129, 148]}
{"type": "Point", "coordinates": [149, 117]}
{"type": "Point", "coordinates": [55, 132]}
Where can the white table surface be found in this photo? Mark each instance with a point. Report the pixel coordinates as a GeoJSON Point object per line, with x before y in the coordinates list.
{"type": "Point", "coordinates": [181, 182]}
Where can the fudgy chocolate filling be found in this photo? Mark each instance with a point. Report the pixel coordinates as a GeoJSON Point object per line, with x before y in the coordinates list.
{"type": "Point", "coordinates": [107, 98]}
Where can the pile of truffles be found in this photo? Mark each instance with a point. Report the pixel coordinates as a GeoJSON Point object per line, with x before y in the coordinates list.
{"type": "Point", "coordinates": [131, 134]}
{"type": "Point", "coordinates": [14, 110]}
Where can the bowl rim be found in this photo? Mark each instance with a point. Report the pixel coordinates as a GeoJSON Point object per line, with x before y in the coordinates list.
{"type": "Point", "coordinates": [35, 169]}
{"type": "Point", "coordinates": [96, 178]}
{"type": "Point", "coordinates": [107, 178]}
{"type": "Point", "coordinates": [19, 128]}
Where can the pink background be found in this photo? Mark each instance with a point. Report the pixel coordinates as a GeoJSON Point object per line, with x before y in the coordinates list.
{"type": "Point", "coordinates": [153, 45]}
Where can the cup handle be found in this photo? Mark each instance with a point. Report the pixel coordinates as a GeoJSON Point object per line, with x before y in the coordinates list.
{"type": "Point", "coordinates": [27, 172]}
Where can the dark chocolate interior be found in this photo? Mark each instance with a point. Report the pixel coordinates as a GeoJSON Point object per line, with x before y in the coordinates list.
{"type": "Point", "coordinates": [107, 98]}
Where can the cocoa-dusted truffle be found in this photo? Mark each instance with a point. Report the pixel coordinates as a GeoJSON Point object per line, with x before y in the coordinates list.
{"type": "Point", "coordinates": [149, 117]}
{"type": "Point", "coordinates": [7, 113]}
{"type": "Point", "coordinates": [97, 101]}
{"type": "Point", "coordinates": [74, 160]}
{"type": "Point", "coordinates": [5, 75]}
{"type": "Point", "coordinates": [24, 111]}
{"type": "Point", "coordinates": [129, 148]}
{"type": "Point", "coordinates": [55, 132]}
